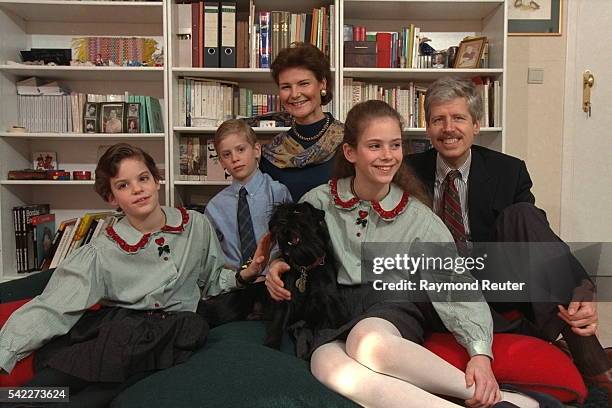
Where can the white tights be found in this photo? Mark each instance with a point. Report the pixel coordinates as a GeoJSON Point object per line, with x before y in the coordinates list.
{"type": "Point", "coordinates": [376, 367]}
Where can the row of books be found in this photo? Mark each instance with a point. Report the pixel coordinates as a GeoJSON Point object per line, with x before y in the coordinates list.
{"type": "Point", "coordinates": [34, 228]}
{"type": "Point", "coordinates": [490, 92]}
{"type": "Point", "coordinates": [409, 100]}
{"type": "Point", "coordinates": [83, 113]}
{"type": "Point", "coordinates": [208, 102]}
{"type": "Point", "coordinates": [393, 49]}
{"type": "Point", "coordinates": [199, 160]}
{"type": "Point", "coordinates": [275, 30]}
{"type": "Point", "coordinates": [140, 114]}
{"type": "Point", "coordinates": [213, 34]}
{"type": "Point", "coordinates": [205, 102]}
{"type": "Point", "coordinates": [76, 232]}
{"type": "Point", "coordinates": [402, 49]}
{"type": "Point", "coordinates": [52, 246]}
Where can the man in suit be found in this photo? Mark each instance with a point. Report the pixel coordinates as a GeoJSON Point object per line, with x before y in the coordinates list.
{"type": "Point", "coordinates": [493, 192]}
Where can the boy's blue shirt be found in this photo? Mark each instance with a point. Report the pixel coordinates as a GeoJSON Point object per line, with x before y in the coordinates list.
{"type": "Point", "coordinates": [263, 194]}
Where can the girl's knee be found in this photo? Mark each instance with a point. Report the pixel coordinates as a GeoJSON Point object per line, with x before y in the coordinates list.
{"type": "Point", "coordinates": [369, 342]}
{"type": "Point", "coordinates": [332, 367]}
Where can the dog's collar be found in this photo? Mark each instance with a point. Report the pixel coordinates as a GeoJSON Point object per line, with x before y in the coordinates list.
{"type": "Point", "coordinates": [318, 262]}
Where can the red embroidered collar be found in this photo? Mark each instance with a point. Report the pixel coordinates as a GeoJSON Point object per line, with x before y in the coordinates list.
{"type": "Point", "coordinates": [350, 204]}
{"type": "Point", "coordinates": [131, 248]}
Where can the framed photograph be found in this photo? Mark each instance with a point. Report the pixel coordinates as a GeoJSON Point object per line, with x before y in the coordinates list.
{"type": "Point", "coordinates": [44, 161]}
{"type": "Point", "coordinates": [112, 117]}
{"type": "Point", "coordinates": [132, 125]}
{"type": "Point", "coordinates": [91, 110]}
{"type": "Point", "coordinates": [90, 125]}
{"type": "Point", "coordinates": [133, 110]}
{"type": "Point", "coordinates": [535, 17]}
{"type": "Point", "coordinates": [470, 52]}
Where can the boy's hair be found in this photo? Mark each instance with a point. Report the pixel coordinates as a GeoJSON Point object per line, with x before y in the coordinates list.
{"type": "Point", "coordinates": [234, 126]}
{"type": "Point", "coordinates": [447, 89]}
{"type": "Point", "coordinates": [109, 163]}
{"type": "Point", "coordinates": [357, 119]}
{"type": "Point", "coordinates": [307, 56]}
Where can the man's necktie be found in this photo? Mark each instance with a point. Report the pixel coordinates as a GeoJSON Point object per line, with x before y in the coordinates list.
{"type": "Point", "coordinates": [245, 227]}
{"type": "Point", "coordinates": [450, 211]}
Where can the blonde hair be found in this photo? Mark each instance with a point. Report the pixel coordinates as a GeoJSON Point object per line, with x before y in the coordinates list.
{"type": "Point", "coordinates": [234, 126]}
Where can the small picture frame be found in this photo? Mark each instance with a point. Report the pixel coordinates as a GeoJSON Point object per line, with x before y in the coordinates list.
{"type": "Point", "coordinates": [112, 117]}
{"type": "Point", "coordinates": [90, 125]}
{"type": "Point", "coordinates": [44, 161]}
{"type": "Point", "coordinates": [470, 53]}
{"type": "Point", "coordinates": [91, 110]}
{"type": "Point", "coordinates": [133, 110]}
{"type": "Point", "coordinates": [132, 125]}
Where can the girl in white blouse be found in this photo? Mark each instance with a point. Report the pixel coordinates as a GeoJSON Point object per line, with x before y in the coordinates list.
{"type": "Point", "coordinates": [147, 271]}
{"type": "Point", "coordinates": [376, 359]}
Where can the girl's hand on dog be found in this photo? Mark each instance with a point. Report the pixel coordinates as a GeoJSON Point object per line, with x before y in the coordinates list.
{"type": "Point", "coordinates": [260, 258]}
{"type": "Point", "coordinates": [274, 283]}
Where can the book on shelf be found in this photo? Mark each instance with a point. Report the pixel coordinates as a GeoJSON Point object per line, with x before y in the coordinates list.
{"type": "Point", "coordinates": [207, 102]}
{"type": "Point", "coordinates": [214, 168]}
{"type": "Point", "coordinates": [189, 158]}
{"type": "Point", "coordinates": [231, 34]}
{"type": "Point", "coordinates": [409, 99]}
{"type": "Point", "coordinates": [43, 231]}
{"type": "Point", "coordinates": [76, 232]}
{"type": "Point", "coordinates": [85, 113]}
{"type": "Point", "coordinates": [25, 238]}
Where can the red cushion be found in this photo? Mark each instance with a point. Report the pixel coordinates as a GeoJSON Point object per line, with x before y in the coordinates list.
{"type": "Point", "coordinates": [24, 370]}
{"type": "Point", "coordinates": [524, 361]}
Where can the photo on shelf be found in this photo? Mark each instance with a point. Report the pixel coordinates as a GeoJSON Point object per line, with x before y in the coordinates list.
{"type": "Point", "coordinates": [90, 125]}
{"type": "Point", "coordinates": [133, 110]}
{"type": "Point", "coordinates": [44, 161]}
{"type": "Point", "coordinates": [91, 110]}
{"type": "Point", "coordinates": [470, 52]}
{"type": "Point", "coordinates": [132, 125]}
{"type": "Point", "coordinates": [112, 117]}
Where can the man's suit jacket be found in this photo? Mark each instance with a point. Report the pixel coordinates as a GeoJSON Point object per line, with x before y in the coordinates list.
{"type": "Point", "coordinates": [496, 181]}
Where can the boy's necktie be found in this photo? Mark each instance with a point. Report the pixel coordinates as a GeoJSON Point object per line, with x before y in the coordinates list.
{"type": "Point", "coordinates": [245, 227]}
{"type": "Point", "coordinates": [450, 211]}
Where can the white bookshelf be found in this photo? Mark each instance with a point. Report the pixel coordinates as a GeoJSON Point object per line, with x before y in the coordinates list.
{"type": "Point", "coordinates": [442, 20]}
{"type": "Point", "coordinates": [26, 24]}
{"type": "Point", "coordinates": [51, 23]}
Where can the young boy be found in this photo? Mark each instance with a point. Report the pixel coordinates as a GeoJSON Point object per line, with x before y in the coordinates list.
{"type": "Point", "coordinates": [240, 212]}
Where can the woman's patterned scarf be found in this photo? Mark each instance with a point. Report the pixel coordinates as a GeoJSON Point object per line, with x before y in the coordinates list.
{"type": "Point", "coordinates": [285, 152]}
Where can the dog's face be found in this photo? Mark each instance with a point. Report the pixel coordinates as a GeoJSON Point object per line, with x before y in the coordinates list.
{"type": "Point", "coordinates": [301, 234]}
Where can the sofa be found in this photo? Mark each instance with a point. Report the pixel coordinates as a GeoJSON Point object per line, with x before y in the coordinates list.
{"type": "Point", "coordinates": [234, 369]}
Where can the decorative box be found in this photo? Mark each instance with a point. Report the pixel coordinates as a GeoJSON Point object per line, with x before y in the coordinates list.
{"type": "Point", "coordinates": [81, 175]}
{"type": "Point", "coordinates": [360, 54]}
{"type": "Point", "coordinates": [58, 175]}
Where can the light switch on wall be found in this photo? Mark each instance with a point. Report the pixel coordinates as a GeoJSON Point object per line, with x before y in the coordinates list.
{"type": "Point", "coordinates": [535, 76]}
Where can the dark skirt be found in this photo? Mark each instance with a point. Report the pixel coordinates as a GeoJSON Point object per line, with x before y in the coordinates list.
{"type": "Point", "coordinates": [112, 344]}
{"type": "Point", "coordinates": [410, 318]}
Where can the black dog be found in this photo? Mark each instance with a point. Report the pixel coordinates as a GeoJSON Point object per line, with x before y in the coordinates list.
{"type": "Point", "coordinates": [304, 243]}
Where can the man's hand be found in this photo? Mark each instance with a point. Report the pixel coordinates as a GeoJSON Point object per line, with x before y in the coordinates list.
{"type": "Point", "coordinates": [274, 283]}
{"type": "Point", "coordinates": [581, 314]}
{"type": "Point", "coordinates": [486, 392]}
{"type": "Point", "coordinates": [581, 317]}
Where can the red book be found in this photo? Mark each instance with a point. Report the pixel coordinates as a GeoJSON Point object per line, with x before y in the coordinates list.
{"type": "Point", "coordinates": [383, 50]}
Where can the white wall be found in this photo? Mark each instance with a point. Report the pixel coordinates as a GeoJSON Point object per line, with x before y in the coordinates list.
{"type": "Point", "coordinates": [534, 115]}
